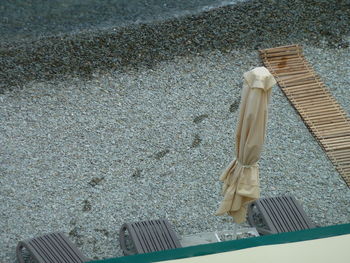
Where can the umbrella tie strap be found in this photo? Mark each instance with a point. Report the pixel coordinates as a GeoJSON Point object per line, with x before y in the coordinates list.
{"type": "Point", "coordinates": [247, 165]}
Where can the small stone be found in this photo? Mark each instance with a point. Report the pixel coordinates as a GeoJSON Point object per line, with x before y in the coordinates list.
{"type": "Point", "coordinates": [137, 173]}
{"type": "Point", "coordinates": [87, 206]}
{"type": "Point", "coordinates": [161, 154]}
{"type": "Point", "coordinates": [235, 105]}
{"type": "Point", "coordinates": [103, 231]}
{"type": "Point", "coordinates": [196, 141]}
{"type": "Point", "coordinates": [74, 233]}
{"type": "Point", "coordinates": [95, 181]}
{"type": "Point", "coordinates": [200, 118]}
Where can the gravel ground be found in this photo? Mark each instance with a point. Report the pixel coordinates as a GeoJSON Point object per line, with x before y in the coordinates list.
{"type": "Point", "coordinates": [83, 154]}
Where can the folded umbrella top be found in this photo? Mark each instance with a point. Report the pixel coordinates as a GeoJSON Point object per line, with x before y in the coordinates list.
{"type": "Point", "coordinates": [241, 177]}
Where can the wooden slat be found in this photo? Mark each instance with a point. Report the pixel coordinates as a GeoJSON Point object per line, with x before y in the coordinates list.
{"type": "Point", "coordinates": [325, 118]}
{"type": "Point", "coordinates": [337, 138]}
{"type": "Point", "coordinates": [322, 135]}
{"type": "Point", "coordinates": [339, 154]}
{"type": "Point", "coordinates": [311, 101]}
{"type": "Point", "coordinates": [322, 114]}
{"type": "Point", "coordinates": [304, 93]}
{"type": "Point", "coordinates": [299, 87]}
{"type": "Point", "coordinates": [333, 126]}
{"type": "Point", "coordinates": [290, 71]}
{"type": "Point", "coordinates": [298, 78]}
{"type": "Point", "coordinates": [310, 111]}
{"type": "Point", "coordinates": [283, 58]}
{"type": "Point", "coordinates": [303, 81]}
{"type": "Point", "coordinates": [307, 93]}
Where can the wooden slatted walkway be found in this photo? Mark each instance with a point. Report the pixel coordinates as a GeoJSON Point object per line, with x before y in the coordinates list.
{"type": "Point", "coordinates": [321, 113]}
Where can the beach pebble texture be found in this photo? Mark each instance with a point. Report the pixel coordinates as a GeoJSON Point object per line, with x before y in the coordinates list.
{"type": "Point", "coordinates": [32, 19]}
{"type": "Point", "coordinates": [85, 153]}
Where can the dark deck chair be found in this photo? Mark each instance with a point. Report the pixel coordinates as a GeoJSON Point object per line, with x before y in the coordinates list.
{"type": "Point", "coordinates": [147, 236]}
{"type": "Point", "coordinates": [278, 214]}
{"type": "Point", "coordinates": [50, 248]}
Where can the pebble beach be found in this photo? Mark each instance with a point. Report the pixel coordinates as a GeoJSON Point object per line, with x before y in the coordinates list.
{"type": "Point", "coordinates": [118, 124]}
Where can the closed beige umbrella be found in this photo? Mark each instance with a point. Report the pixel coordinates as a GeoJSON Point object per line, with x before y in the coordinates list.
{"type": "Point", "coordinates": [241, 177]}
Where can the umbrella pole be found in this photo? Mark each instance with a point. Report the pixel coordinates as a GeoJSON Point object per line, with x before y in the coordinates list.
{"type": "Point", "coordinates": [235, 228]}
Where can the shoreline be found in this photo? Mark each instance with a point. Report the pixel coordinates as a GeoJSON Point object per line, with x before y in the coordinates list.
{"type": "Point", "coordinates": [144, 45]}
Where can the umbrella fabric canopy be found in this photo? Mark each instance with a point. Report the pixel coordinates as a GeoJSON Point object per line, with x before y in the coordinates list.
{"type": "Point", "coordinates": [241, 177]}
